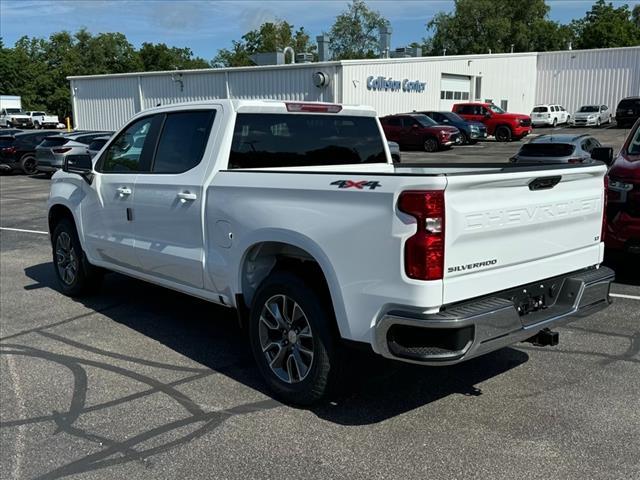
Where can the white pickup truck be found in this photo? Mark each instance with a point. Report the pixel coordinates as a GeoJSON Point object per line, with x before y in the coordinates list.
{"type": "Point", "coordinates": [42, 120]}
{"type": "Point", "coordinates": [295, 215]}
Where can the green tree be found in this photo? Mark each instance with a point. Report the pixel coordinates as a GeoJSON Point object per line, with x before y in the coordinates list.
{"type": "Point", "coordinates": [605, 26]}
{"type": "Point", "coordinates": [355, 32]}
{"type": "Point", "coordinates": [156, 57]}
{"type": "Point", "coordinates": [269, 37]}
{"type": "Point", "coordinates": [477, 26]}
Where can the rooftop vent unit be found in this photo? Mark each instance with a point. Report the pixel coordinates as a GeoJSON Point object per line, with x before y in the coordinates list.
{"type": "Point", "coordinates": [407, 52]}
{"type": "Point", "coordinates": [304, 57]}
{"type": "Point", "coordinates": [269, 58]}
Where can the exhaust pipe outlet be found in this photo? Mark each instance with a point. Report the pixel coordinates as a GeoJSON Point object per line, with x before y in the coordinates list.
{"type": "Point", "coordinates": [544, 338]}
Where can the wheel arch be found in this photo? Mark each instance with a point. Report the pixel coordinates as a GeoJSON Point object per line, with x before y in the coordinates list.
{"type": "Point", "coordinates": [294, 252]}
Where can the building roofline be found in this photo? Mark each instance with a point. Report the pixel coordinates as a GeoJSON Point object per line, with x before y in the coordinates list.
{"type": "Point", "coordinates": [367, 61]}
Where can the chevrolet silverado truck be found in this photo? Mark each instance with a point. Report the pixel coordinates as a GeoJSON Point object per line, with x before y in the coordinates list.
{"type": "Point", "coordinates": [42, 120]}
{"type": "Point", "coordinates": [502, 125]}
{"type": "Point", "coordinates": [294, 215]}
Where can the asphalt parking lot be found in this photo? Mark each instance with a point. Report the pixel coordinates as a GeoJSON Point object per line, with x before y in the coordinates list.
{"type": "Point", "coordinates": [140, 382]}
{"type": "Point", "coordinates": [491, 151]}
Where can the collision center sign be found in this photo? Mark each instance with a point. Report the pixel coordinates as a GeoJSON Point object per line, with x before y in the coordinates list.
{"type": "Point", "coordinates": [391, 85]}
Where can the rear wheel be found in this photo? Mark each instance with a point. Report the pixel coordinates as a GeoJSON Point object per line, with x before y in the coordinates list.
{"type": "Point", "coordinates": [503, 134]}
{"type": "Point", "coordinates": [431, 145]}
{"type": "Point", "coordinates": [37, 125]}
{"type": "Point", "coordinates": [465, 138]}
{"type": "Point", "coordinates": [291, 339]}
{"type": "Point", "coordinates": [76, 276]}
{"type": "Point", "coordinates": [28, 164]}
{"type": "Point", "coordinates": [555, 122]}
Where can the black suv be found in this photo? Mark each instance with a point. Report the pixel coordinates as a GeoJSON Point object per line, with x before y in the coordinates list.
{"type": "Point", "coordinates": [628, 111]}
{"type": "Point", "coordinates": [18, 151]}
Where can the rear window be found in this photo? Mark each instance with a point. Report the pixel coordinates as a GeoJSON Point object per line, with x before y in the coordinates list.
{"type": "Point", "coordinates": [629, 103]}
{"type": "Point", "coordinates": [97, 144]}
{"type": "Point", "coordinates": [292, 140]}
{"type": "Point", "coordinates": [54, 142]}
{"type": "Point", "coordinates": [547, 149]}
{"type": "Point", "coordinates": [6, 141]}
{"type": "Point", "coordinates": [540, 109]}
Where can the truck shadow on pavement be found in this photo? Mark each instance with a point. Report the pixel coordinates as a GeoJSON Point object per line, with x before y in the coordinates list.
{"type": "Point", "coordinates": [374, 389]}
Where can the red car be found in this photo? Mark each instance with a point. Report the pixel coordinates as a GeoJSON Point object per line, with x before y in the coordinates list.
{"type": "Point", "coordinates": [623, 206]}
{"type": "Point", "coordinates": [502, 125]}
{"type": "Point", "coordinates": [417, 130]}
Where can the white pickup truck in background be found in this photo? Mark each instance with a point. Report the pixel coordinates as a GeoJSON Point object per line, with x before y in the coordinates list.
{"type": "Point", "coordinates": [42, 120]}
{"type": "Point", "coordinates": [295, 215]}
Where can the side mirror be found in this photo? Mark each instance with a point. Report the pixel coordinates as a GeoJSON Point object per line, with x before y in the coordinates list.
{"type": "Point", "coordinates": [79, 165]}
{"type": "Point", "coordinates": [415, 125]}
{"type": "Point", "coordinates": [603, 154]}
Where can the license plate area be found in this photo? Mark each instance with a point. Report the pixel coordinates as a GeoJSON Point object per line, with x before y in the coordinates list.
{"type": "Point", "coordinates": [537, 301]}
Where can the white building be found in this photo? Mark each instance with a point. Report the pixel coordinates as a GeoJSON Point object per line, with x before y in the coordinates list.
{"type": "Point", "coordinates": [514, 81]}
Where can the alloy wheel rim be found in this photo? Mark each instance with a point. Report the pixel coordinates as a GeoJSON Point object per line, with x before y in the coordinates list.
{"type": "Point", "coordinates": [30, 165]}
{"type": "Point", "coordinates": [286, 339]}
{"type": "Point", "coordinates": [66, 259]}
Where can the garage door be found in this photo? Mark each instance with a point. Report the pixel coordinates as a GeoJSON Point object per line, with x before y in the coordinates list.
{"type": "Point", "coordinates": [454, 89]}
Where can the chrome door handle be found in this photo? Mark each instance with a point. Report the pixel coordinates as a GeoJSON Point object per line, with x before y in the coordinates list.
{"type": "Point", "coordinates": [187, 196]}
{"type": "Point", "coordinates": [122, 191]}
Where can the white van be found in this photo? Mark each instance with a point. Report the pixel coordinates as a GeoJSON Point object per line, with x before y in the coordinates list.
{"type": "Point", "coordinates": [549, 115]}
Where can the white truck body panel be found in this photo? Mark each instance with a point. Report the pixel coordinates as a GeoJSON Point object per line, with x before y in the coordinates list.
{"type": "Point", "coordinates": [199, 244]}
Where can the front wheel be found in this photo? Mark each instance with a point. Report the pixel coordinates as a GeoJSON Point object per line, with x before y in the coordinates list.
{"type": "Point", "coordinates": [598, 122]}
{"type": "Point", "coordinates": [503, 134]}
{"type": "Point", "coordinates": [76, 276]}
{"type": "Point", "coordinates": [431, 145]}
{"type": "Point", "coordinates": [36, 125]}
{"type": "Point", "coordinates": [555, 123]}
{"type": "Point", "coordinates": [464, 138]}
{"type": "Point", "coordinates": [292, 339]}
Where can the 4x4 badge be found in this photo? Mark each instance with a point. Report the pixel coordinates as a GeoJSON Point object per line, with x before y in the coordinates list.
{"type": "Point", "coordinates": [359, 185]}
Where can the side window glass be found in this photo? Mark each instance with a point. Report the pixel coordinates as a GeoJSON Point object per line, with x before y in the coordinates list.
{"type": "Point", "coordinates": [125, 154]}
{"type": "Point", "coordinates": [182, 141]}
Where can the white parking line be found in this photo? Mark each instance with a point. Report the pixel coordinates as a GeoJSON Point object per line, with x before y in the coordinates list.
{"type": "Point", "coordinates": [23, 230]}
{"type": "Point", "coordinates": [620, 295]}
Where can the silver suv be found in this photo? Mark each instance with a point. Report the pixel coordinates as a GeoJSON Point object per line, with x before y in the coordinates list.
{"type": "Point", "coordinates": [51, 153]}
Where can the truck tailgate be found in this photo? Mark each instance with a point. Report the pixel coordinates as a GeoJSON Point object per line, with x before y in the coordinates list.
{"type": "Point", "coordinates": [509, 229]}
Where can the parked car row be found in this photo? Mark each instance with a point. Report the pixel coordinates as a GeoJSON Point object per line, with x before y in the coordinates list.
{"type": "Point", "coordinates": [591, 115]}
{"type": "Point", "coordinates": [45, 150]}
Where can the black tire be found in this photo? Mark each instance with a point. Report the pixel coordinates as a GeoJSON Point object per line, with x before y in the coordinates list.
{"type": "Point", "coordinates": [464, 138]}
{"type": "Point", "coordinates": [598, 122]}
{"type": "Point", "coordinates": [431, 145]}
{"type": "Point", "coordinates": [48, 174]}
{"type": "Point", "coordinates": [555, 123]}
{"type": "Point", "coordinates": [28, 164]}
{"type": "Point", "coordinates": [36, 125]}
{"type": "Point", "coordinates": [83, 278]}
{"type": "Point", "coordinates": [322, 372]}
{"type": "Point", "coordinates": [503, 134]}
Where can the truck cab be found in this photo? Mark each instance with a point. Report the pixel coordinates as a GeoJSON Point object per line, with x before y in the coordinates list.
{"type": "Point", "coordinates": [502, 125]}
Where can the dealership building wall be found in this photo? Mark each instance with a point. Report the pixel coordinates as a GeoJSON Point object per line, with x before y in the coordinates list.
{"type": "Point", "coordinates": [514, 81]}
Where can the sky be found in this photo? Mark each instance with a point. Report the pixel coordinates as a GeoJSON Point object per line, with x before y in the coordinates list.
{"type": "Point", "coordinates": [208, 25]}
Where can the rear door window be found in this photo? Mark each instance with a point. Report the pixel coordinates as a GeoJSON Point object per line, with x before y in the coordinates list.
{"type": "Point", "coordinates": [539, 109]}
{"type": "Point", "coordinates": [393, 121]}
{"type": "Point", "coordinates": [182, 141]}
{"type": "Point", "coordinates": [293, 140]}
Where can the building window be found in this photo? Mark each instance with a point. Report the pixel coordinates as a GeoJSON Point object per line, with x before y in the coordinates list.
{"type": "Point", "coordinates": [449, 95]}
{"type": "Point", "coordinates": [478, 91]}
{"type": "Point", "coordinates": [457, 95]}
{"type": "Point", "coordinates": [465, 95]}
{"type": "Point", "coordinates": [442, 93]}
{"type": "Point", "coordinates": [504, 104]}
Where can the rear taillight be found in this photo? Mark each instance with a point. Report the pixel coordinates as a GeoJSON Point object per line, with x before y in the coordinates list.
{"type": "Point", "coordinates": [314, 107]}
{"type": "Point", "coordinates": [9, 150]}
{"type": "Point", "coordinates": [604, 209]}
{"type": "Point", "coordinates": [61, 150]}
{"type": "Point", "coordinates": [424, 251]}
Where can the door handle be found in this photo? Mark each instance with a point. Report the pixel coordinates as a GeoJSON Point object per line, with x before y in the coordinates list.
{"type": "Point", "coordinates": [123, 191]}
{"type": "Point", "coordinates": [187, 196]}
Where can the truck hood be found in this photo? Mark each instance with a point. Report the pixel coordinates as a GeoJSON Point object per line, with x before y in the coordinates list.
{"type": "Point", "coordinates": [513, 116]}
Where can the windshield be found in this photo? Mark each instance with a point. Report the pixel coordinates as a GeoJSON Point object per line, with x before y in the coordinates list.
{"type": "Point", "coordinates": [496, 109]}
{"type": "Point", "coordinates": [453, 117]}
{"type": "Point", "coordinates": [425, 121]}
{"type": "Point", "coordinates": [540, 109]}
{"type": "Point", "coordinates": [589, 109]}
